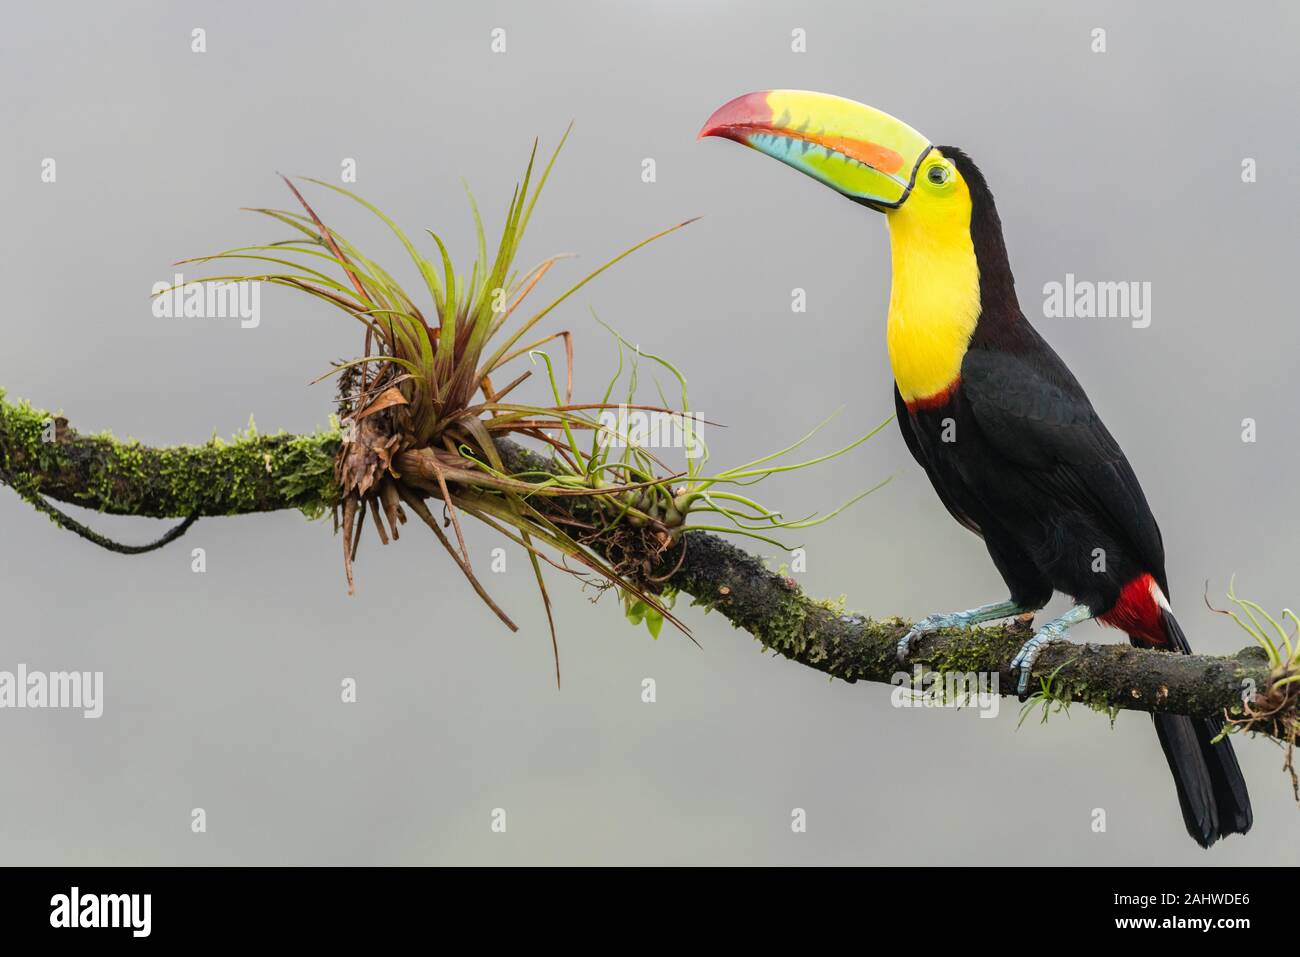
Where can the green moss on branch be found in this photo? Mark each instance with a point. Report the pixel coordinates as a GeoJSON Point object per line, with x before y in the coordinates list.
{"type": "Point", "coordinates": [41, 456]}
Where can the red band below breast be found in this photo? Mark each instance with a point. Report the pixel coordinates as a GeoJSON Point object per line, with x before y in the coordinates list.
{"type": "Point", "coordinates": [937, 401]}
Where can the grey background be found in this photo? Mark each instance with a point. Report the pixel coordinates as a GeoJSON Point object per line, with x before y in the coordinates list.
{"type": "Point", "coordinates": [223, 688]}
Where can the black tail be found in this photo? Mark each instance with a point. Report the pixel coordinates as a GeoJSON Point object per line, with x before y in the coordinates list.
{"type": "Point", "coordinates": [1211, 790]}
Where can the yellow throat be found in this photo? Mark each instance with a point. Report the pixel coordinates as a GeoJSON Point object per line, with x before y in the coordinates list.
{"type": "Point", "coordinates": [934, 301]}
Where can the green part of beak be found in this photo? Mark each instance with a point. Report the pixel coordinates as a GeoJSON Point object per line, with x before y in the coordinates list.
{"type": "Point", "coordinates": [861, 152]}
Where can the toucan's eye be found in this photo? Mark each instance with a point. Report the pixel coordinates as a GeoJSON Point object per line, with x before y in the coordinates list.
{"type": "Point", "coordinates": [938, 175]}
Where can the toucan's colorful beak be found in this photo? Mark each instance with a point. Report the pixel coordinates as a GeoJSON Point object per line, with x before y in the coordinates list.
{"type": "Point", "coordinates": [867, 155]}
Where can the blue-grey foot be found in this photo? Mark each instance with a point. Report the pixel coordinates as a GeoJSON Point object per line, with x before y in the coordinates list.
{"type": "Point", "coordinates": [959, 619]}
{"type": "Point", "coordinates": [1052, 631]}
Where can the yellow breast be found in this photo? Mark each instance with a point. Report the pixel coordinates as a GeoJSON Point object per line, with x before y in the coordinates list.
{"type": "Point", "coordinates": [934, 302]}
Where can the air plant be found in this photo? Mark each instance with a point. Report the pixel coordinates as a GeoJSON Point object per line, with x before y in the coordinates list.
{"type": "Point", "coordinates": [693, 492]}
{"type": "Point", "coordinates": [1272, 709]}
{"type": "Point", "coordinates": [423, 417]}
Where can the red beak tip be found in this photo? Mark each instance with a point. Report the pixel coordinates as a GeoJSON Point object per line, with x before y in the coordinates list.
{"type": "Point", "coordinates": [710, 128]}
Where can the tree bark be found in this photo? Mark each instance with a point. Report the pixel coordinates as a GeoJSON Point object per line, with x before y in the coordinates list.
{"type": "Point", "coordinates": [42, 457]}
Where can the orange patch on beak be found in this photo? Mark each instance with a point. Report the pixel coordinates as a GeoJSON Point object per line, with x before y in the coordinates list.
{"type": "Point", "coordinates": [873, 154]}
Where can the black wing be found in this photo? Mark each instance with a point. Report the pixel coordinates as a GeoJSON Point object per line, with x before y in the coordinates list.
{"type": "Point", "coordinates": [918, 453]}
{"type": "Point", "coordinates": [1034, 413]}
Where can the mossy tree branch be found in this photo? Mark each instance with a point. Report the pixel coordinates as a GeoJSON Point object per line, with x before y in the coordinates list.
{"type": "Point", "coordinates": [42, 457]}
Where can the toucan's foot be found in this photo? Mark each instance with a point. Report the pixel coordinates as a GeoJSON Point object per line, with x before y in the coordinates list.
{"type": "Point", "coordinates": [1024, 659]}
{"type": "Point", "coordinates": [1052, 631]}
{"type": "Point", "coordinates": [959, 619]}
{"type": "Point", "coordinates": [956, 619]}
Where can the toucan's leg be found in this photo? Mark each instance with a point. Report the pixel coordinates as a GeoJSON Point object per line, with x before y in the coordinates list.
{"type": "Point", "coordinates": [1052, 631]}
{"type": "Point", "coordinates": [962, 619]}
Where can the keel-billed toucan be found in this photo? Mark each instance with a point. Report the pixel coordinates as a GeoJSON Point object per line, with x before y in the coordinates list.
{"type": "Point", "coordinates": [1006, 434]}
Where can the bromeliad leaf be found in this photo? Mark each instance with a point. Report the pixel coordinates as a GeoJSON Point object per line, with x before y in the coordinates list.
{"type": "Point", "coordinates": [424, 418]}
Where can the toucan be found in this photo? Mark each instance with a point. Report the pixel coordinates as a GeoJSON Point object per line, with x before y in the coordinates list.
{"type": "Point", "coordinates": [1004, 431]}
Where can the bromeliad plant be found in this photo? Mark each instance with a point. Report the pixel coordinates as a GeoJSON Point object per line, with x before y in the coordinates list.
{"type": "Point", "coordinates": [422, 415]}
{"type": "Point", "coordinates": [1274, 708]}
{"type": "Point", "coordinates": [666, 506]}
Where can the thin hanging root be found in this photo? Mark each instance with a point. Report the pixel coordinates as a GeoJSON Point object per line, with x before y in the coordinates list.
{"type": "Point", "coordinates": [379, 523]}
{"type": "Point", "coordinates": [676, 568]}
{"type": "Point", "coordinates": [392, 507]}
{"type": "Point", "coordinates": [446, 498]}
{"type": "Point", "coordinates": [546, 602]}
{"type": "Point", "coordinates": [349, 516]}
{"type": "Point", "coordinates": [426, 516]}
{"type": "Point", "coordinates": [361, 526]}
